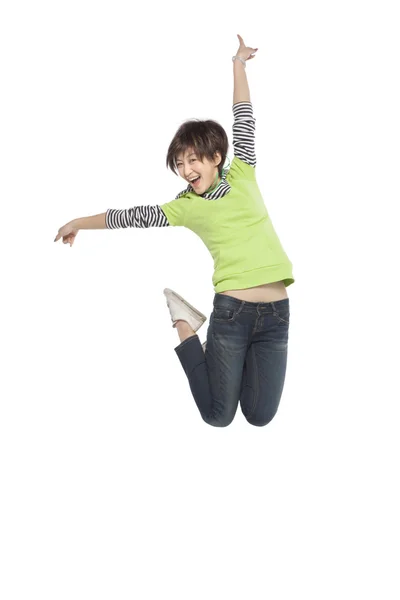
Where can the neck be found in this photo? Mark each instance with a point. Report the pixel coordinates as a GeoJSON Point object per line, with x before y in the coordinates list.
{"type": "Point", "coordinates": [214, 185]}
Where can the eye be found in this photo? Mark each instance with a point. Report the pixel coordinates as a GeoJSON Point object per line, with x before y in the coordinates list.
{"type": "Point", "coordinates": [180, 164]}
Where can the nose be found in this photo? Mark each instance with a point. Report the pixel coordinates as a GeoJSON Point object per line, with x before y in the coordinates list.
{"type": "Point", "coordinates": [187, 171]}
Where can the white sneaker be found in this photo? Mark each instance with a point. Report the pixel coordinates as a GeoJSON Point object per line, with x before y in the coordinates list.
{"type": "Point", "coordinates": [180, 309]}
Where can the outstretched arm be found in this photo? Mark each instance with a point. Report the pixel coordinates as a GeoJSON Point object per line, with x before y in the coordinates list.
{"type": "Point", "coordinates": [241, 92]}
{"type": "Point", "coordinates": [138, 216]}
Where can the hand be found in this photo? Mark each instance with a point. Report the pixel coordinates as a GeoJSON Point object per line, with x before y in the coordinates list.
{"type": "Point", "coordinates": [244, 51]}
{"type": "Point", "coordinates": [68, 233]}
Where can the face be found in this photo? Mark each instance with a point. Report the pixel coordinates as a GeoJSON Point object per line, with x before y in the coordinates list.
{"type": "Point", "coordinates": [189, 166]}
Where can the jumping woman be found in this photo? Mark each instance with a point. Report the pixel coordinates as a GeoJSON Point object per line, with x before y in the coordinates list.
{"type": "Point", "coordinates": [244, 357]}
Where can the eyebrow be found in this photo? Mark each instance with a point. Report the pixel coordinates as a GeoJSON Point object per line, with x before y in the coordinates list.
{"type": "Point", "coordinates": [193, 153]}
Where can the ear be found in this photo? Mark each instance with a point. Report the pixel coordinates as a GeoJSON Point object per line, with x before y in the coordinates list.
{"type": "Point", "coordinates": [217, 159]}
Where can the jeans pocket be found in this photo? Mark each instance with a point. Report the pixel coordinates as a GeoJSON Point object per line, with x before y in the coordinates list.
{"type": "Point", "coordinates": [283, 316]}
{"type": "Point", "coordinates": [224, 315]}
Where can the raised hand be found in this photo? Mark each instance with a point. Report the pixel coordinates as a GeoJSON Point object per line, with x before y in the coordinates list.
{"type": "Point", "coordinates": [244, 51]}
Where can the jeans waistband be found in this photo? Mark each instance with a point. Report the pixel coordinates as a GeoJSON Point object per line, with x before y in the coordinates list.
{"type": "Point", "coordinates": [223, 301]}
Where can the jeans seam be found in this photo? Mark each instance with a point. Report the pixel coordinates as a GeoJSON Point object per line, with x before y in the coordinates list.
{"type": "Point", "coordinates": [255, 379]}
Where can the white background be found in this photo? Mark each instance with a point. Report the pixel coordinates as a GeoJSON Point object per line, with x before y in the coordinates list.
{"type": "Point", "coordinates": [112, 486]}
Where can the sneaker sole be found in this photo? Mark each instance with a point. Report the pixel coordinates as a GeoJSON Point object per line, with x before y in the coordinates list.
{"type": "Point", "coordinates": [196, 312]}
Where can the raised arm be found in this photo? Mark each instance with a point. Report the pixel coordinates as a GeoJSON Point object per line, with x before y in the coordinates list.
{"type": "Point", "coordinates": [241, 92]}
{"type": "Point", "coordinates": [244, 123]}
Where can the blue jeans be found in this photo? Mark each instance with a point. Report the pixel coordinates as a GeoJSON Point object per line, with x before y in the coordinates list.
{"type": "Point", "coordinates": [245, 360]}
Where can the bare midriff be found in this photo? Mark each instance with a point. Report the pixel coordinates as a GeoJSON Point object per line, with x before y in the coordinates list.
{"type": "Point", "coordinates": [268, 292]}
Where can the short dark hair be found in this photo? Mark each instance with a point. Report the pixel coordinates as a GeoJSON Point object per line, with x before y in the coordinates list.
{"type": "Point", "coordinates": [205, 137]}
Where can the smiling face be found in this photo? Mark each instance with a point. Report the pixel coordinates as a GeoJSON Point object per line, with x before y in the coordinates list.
{"type": "Point", "coordinates": [189, 166]}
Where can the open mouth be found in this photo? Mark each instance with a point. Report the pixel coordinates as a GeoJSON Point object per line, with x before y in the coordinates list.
{"type": "Point", "coordinates": [196, 181]}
